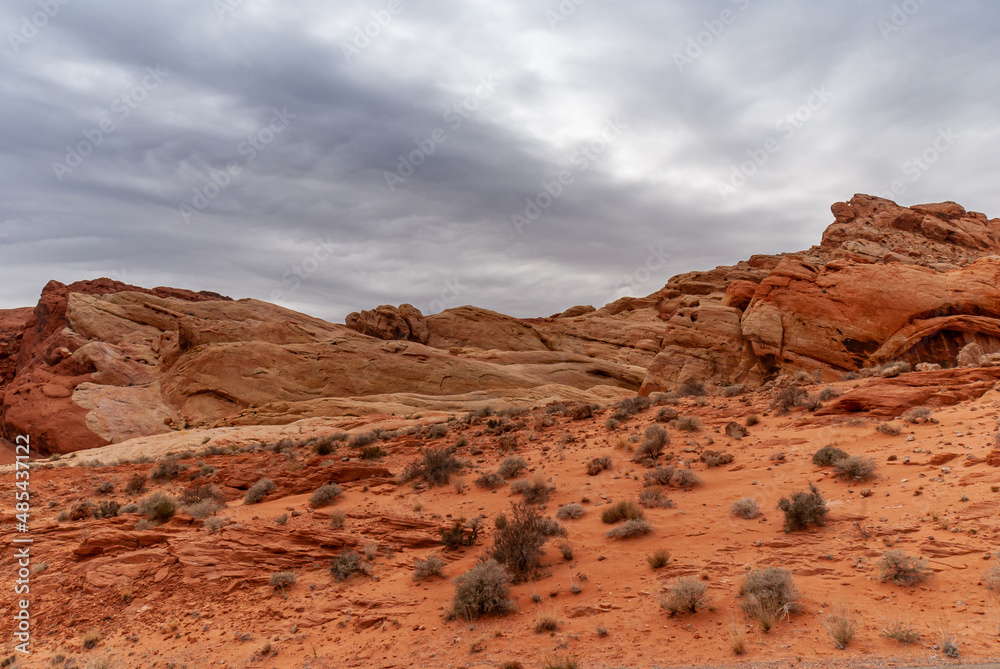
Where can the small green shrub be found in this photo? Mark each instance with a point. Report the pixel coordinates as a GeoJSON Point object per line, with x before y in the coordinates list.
{"type": "Point", "coordinates": [158, 507]}
{"type": "Point", "coordinates": [511, 466]}
{"type": "Point", "coordinates": [518, 540]}
{"type": "Point", "coordinates": [348, 564]}
{"type": "Point", "coordinates": [490, 481]}
{"type": "Point", "coordinates": [856, 468]}
{"type": "Point", "coordinates": [535, 491]}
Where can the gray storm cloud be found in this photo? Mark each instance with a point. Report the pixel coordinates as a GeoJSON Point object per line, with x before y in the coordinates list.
{"type": "Point", "coordinates": [332, 158]}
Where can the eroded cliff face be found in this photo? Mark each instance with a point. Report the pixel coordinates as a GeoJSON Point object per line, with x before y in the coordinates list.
{"type": "Point", "coordinates": [100, 361]}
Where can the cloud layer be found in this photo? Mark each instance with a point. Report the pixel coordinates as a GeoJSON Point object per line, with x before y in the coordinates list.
{"type": "Point", "coordinates": [520, 156]}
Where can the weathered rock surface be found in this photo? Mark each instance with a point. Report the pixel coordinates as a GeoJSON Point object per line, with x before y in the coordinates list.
{"type": "Point", "coordinates": [101, 362]}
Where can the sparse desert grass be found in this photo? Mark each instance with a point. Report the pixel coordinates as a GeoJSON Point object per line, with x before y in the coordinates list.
{"type": "Point", "coordinates": [546, 623]}
{"type": "Point", "coordinates": [902, 569]}
{"type": "Point", "coordinates": [428, 567]}
{"type": "Point", "coordinates": [567, 551]}
{"type": "Point", "coordinates": [687, 424]}
{"type": "Point", "coordinates": [629, 529]}
{"type": "Point", "coordinates": [856, 468]}
{"type": "Point", "coordinates": [91, 639]}
{"type": "Point", "coordinates": [535, 491]}
{"type": "Point", "coordinates": [803, 509]}
{"type": "Point", "coordinates": [659, 558]}
{"type": "Point", "coordinates": [901, 631]}
{"type": "Point", "coordinates": [752, 420]}
{"type": "Point", "coordinates": [337, 519]}
{"type": "Point", "coordinates": [686, 595]}
{"type": "Point", "coordinates": [746, 507]}
{"type": "Point", "coordinates": [948, 645]}
{"type": "Point", "coordinates": [624, 510]}
{"type": "Point", "coordinates": [561, 662]}
{"type": "Point", "coordinates": [258, 491]}
{"type": "Point", "coordinates": [325, 495]}
{"type": "Point", "coordinates": [828, 456]}
{"type": "Point", "coordinates": [282, 580]}
{"type": "Point", "coordinates": [571, 510]}
{"type": "Point", "coordinates": [348, 564]}
{"type": "Point", "coordinates": [841, 625]}
{"type": "Point", "coordinates": [768, 595]}
{"type": "Point", "coordinates": [512, 466]}
{"type": "Point", "coordinates": [370, 550]}
{"type": "Point", "coordinates": [484, 590]}
{"type": "Point", "coordinates": [737, 637]}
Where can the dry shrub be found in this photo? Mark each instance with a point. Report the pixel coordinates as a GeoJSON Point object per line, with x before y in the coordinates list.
{"type": "Point", "coordinates": [828, 394]}
{"type": "Point", "coordinates": [752, 420]}
{"type": "Point", "coordinates": [518, 540]}
{"type": "Point", "coordinates": [258, 491]}
{"type": "Point", "coordinates": [746, 507]}
{"type": "Point", "coordinates": [165, 471]}
{"type": "Point", "coordinates": [654, 498]}
{"type": "Point", "coordinates": [432, 566]}
{"type": "Point", "coordinates": [658, 477]}
{"type": "Point", "coordinates": [325, 495]}
{"type": "Point", "coordinates": [462, 533]}
{"type": "Point", "coordinates": [571, 510]}
{"type": "Point", "coordinates": [686, 595]}
{"type": "Point", "coordinates": [158, 507]}
{"type": "Point", "coordinates": [890, 428]}
{"type": "Point", "coordinates": [659, 558]}
{"type": "Point", "coordinates": [652, 448]}
{"type": "Point", "coordinates": [687, 424]}
{"type": "Point", "coordinates": [804, 509]}
{"type": "Point", "coordinates": [900, 631]}
{"type": "Point", "coordinates": [598, 465]}
{"type": "Point", "coordinates": [917, 415]}
{"type": "Point", "coordinates": [624, 510]}
{"type": "Point", "coordinates": [281, 580]}
{"type": "Point", "coordinates": [135, 484]}
{"type": "Point", "coordinates": [840, 625]}
{"type": "Point", "coordinates": [902, 569]}
{"type": "Point", "coordinates": [484, 590]}
{"type": "Point", "coordinates": [828, 456]}
{"type": "Point", "coordinates": [630, 406]}
{"type": "Point", "coordinates": [856, 468]}
{"type": "Point", "coordinates": [991, 579]}
{"type": "Point", "coordinates": [348, 564]}
{"type": "Point", "coordinates": [768, 595]}
{"type": "Point", "coordinates": [511, 466]}
{"type": "Point", "coordinates": [535, 491]}
{"type": "Point", "coordinates": [490, 481]}
{"type": "Point", "coordinates": [630, 528]}
{"type": "Point", "coordinates": [691, 388]}
{"type": "Point", "coordinates": [685, 478]}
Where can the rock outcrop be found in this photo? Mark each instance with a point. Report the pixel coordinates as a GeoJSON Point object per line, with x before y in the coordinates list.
{"type": "Point", "coordinates": [100, 362]}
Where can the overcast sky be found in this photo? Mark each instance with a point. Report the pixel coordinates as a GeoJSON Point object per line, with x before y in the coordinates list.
{"type": "Point", "coordinates": [275, 150]}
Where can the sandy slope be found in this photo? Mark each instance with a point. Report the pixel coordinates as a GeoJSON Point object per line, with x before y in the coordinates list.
{"type": "Point", "coordinates": [202, 600]}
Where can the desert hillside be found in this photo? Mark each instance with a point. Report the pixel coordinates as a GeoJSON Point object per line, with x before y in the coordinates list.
{"type": "Point", "coordinates": [793, 459]}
